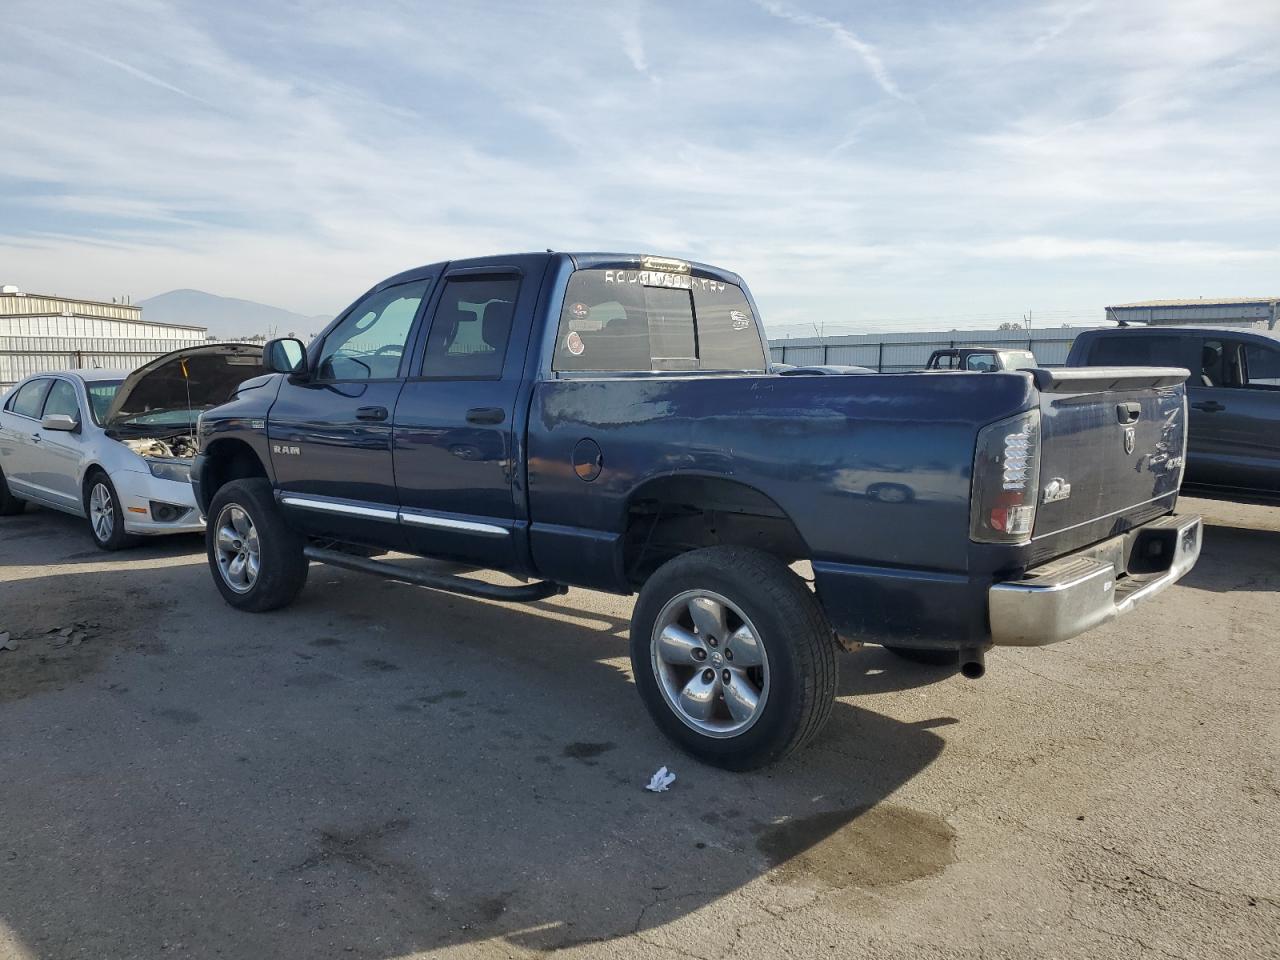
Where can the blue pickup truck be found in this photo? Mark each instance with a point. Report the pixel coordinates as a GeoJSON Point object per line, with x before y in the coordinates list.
{"type": "Point", "coordinates": [611, 421]}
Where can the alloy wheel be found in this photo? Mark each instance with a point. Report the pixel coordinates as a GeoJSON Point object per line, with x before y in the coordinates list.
{"type": "Point", "coordinates": [102, 514]}
{"type": "Point", "coordinates": [237, 548]}
{"type": "Point", "coordinates": [710, 663]}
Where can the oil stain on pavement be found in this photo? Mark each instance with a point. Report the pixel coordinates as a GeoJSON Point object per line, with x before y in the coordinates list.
{"type": "Point", "coordinates": [859, 847]}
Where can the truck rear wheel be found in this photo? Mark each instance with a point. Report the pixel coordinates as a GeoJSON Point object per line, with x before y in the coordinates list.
{"type": "Point", "coordinates": [256, 560]}
{"type": "Point", "coordinates": [733, 656]}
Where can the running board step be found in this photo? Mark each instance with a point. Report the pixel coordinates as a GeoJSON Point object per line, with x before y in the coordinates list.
{"type": "Point", "coordinates": [524, 593]}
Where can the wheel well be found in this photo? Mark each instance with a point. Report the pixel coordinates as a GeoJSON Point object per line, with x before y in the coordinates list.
{"type": "Point", "coordinates": [228, 460]}
{"type": "Point", "coordinates": [89, 473]}
{"type": "Point", "coordinates": [674, 515]}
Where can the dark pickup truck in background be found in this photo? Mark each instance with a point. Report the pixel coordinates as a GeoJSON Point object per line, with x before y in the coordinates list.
{"type": "Point", "coordinates": [1233, 443]}
{"type": "Point", "coordinates": [609, 421]}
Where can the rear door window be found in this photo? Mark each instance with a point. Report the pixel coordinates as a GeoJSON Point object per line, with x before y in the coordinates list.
{"type": "Point", "coordinates": [468, 339]}
{"type": "Point", "coordinates": [1140, 351]}
{"type": "Point", "coordinates": [29, 399]}
{"type": "Point", "coordinates": [1220, 364]}
{"type": "Point", "coordinates": [640, 320]}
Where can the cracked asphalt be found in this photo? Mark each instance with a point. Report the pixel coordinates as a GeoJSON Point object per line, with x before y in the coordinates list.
{"type": "Point", "coordinates": [381, 771]}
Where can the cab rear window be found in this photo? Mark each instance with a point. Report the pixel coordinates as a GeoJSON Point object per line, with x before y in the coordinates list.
{"type": "Point", "coordinates": [648, 320]}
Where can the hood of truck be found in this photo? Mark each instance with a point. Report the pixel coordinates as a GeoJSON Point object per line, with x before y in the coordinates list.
{"type": "Point", "coordinates": [194, 378]}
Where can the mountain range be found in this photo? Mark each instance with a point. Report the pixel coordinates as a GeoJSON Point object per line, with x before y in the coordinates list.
{"type": "Point", "coordinates": [227, 317]}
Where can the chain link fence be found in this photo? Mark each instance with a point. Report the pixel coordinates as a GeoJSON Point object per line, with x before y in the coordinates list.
{"type": "Point", "coordinates": [897, 353]}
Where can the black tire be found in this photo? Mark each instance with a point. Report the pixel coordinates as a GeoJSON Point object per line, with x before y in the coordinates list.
{"type": "Point", "coordinates": [932, 658]}
{"type": "Point", "coordinates": [282, 569]}
{"type": "Point", "coordinates": [109, 534]}
{"type": "Point", "coordinates": [799, 654]}
{"type": "Point", "coordinates": [9, 504]}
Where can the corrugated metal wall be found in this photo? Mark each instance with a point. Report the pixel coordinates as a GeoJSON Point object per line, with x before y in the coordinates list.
{"type": "Point", "coordinates": [23, 356]}
{"type": "Point", "coordinates": [76, 326]}
{"type": "Point", "coordinates": [1230, 314]}
{"type": "Point", "coordinates": [12, 304]}
{"type": "Point", "coordinates": [897, 352]}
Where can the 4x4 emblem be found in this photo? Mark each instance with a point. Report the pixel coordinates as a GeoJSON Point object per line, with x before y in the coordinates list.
{"type": "Point", "coordinates": [1130, 437]}
{"type": "Point", "coordinates": [1057, 489]}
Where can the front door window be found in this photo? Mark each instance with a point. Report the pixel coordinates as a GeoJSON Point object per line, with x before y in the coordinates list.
{"type": "Point", "coordinates": [369, 342]}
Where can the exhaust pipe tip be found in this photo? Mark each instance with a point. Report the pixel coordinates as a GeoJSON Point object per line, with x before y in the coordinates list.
{"type": "Point", "coordinates": [972, 663]}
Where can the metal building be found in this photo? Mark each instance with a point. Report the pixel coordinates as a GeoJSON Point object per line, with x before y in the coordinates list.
{"type": "Point", "coordinates": [39, 332]}
{"type": "Point", "coordinates": [1228, 311]}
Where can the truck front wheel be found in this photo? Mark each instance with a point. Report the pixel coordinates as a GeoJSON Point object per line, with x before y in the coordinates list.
{"type": "Point", "coordinates": [733, 656]}
{"type": "Point", "coordinates": [256, 560]}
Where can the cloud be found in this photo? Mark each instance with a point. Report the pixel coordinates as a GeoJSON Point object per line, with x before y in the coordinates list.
{"type": "Point", "coordinates": [632, 15]}
{"type": "Point", "coordinates": [842, 35]}
{"type": "Point", "coordinates": [298, 159]}
{"type": "Point", "coordinates": [80, 50]}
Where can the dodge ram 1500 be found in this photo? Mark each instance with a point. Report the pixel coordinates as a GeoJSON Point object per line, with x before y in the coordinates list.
{"type": "Point", "coordinates": [610, 421]}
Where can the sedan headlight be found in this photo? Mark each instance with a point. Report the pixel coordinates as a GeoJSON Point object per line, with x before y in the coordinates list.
{"type": "Point", "coordinates": [170, 470]}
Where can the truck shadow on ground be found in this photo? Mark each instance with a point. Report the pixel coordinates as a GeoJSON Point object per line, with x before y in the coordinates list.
{"type": "Point", "coordinates": [1234, 559]}
{"type": "Point", "coordinates": [870, 669]}
{"type": "Point", "coordinates": [383, 769]}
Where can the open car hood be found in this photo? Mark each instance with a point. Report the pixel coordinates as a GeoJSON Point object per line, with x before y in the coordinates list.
{"type": "Point", "coordinates": [194, 378]}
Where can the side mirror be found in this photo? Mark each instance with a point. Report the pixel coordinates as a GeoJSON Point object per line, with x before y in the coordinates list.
{"type": "Point", "coordinates": [60, 421]}
{"type": "Point", "coordinates": [284, 355]}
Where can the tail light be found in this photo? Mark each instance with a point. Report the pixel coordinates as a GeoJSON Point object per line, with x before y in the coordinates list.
{"type": "Point", "coordinates": [1006, 480]}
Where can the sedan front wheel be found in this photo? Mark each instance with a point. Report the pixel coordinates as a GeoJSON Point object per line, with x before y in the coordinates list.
{"type": "Point", "coordinates": [106, 516]}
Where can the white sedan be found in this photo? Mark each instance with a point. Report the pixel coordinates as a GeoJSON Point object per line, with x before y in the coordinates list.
{"type": "Point", "coordinates": [113, 447]}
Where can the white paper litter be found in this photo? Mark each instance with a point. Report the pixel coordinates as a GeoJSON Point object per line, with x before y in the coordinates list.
{"type": "Point", "coordinates": [663, 779]}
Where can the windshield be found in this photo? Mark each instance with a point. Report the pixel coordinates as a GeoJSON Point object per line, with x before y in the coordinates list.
{"type": "Point", "coordinates": [101, 393]}
{"type": "Point", "coordinates": [649, 320]}
{"type": "Point", "coordinates": [1018, 359]}
{"type": "Point", "coordinates": [163, 418]}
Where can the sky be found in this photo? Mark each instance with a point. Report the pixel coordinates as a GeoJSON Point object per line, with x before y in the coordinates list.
{"type": "Point", "coordinates": [864, 167]}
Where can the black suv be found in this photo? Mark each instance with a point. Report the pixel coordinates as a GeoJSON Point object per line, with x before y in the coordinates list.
{"type": "Point", "coordinates": [1233, 393]}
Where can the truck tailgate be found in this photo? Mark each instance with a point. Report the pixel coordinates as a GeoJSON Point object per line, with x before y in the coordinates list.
{"type": "Point", "coordinates": [1113, 443]}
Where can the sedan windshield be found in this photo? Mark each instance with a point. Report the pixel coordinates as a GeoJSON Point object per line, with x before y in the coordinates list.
{"type": "Point", "coordinates": [101, 393]}
{"type": "Point", "coordinates": [162, 418]}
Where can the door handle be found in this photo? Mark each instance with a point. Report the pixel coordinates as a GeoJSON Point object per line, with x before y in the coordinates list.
{"type": "Point", "coordinates": [36, 438]}
{"type": "Point", "coordinates": [489, 415]}
{"type": "Point", "coordinates": [1128, 412]}
{"type": "Point", "coordinates": [371, 413]}
{"type": "Point", "coordinates": [1209, 406]}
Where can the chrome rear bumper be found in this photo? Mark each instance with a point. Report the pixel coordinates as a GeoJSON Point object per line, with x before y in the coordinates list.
{"type": "Point", "coordinates": [1075, 593]}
